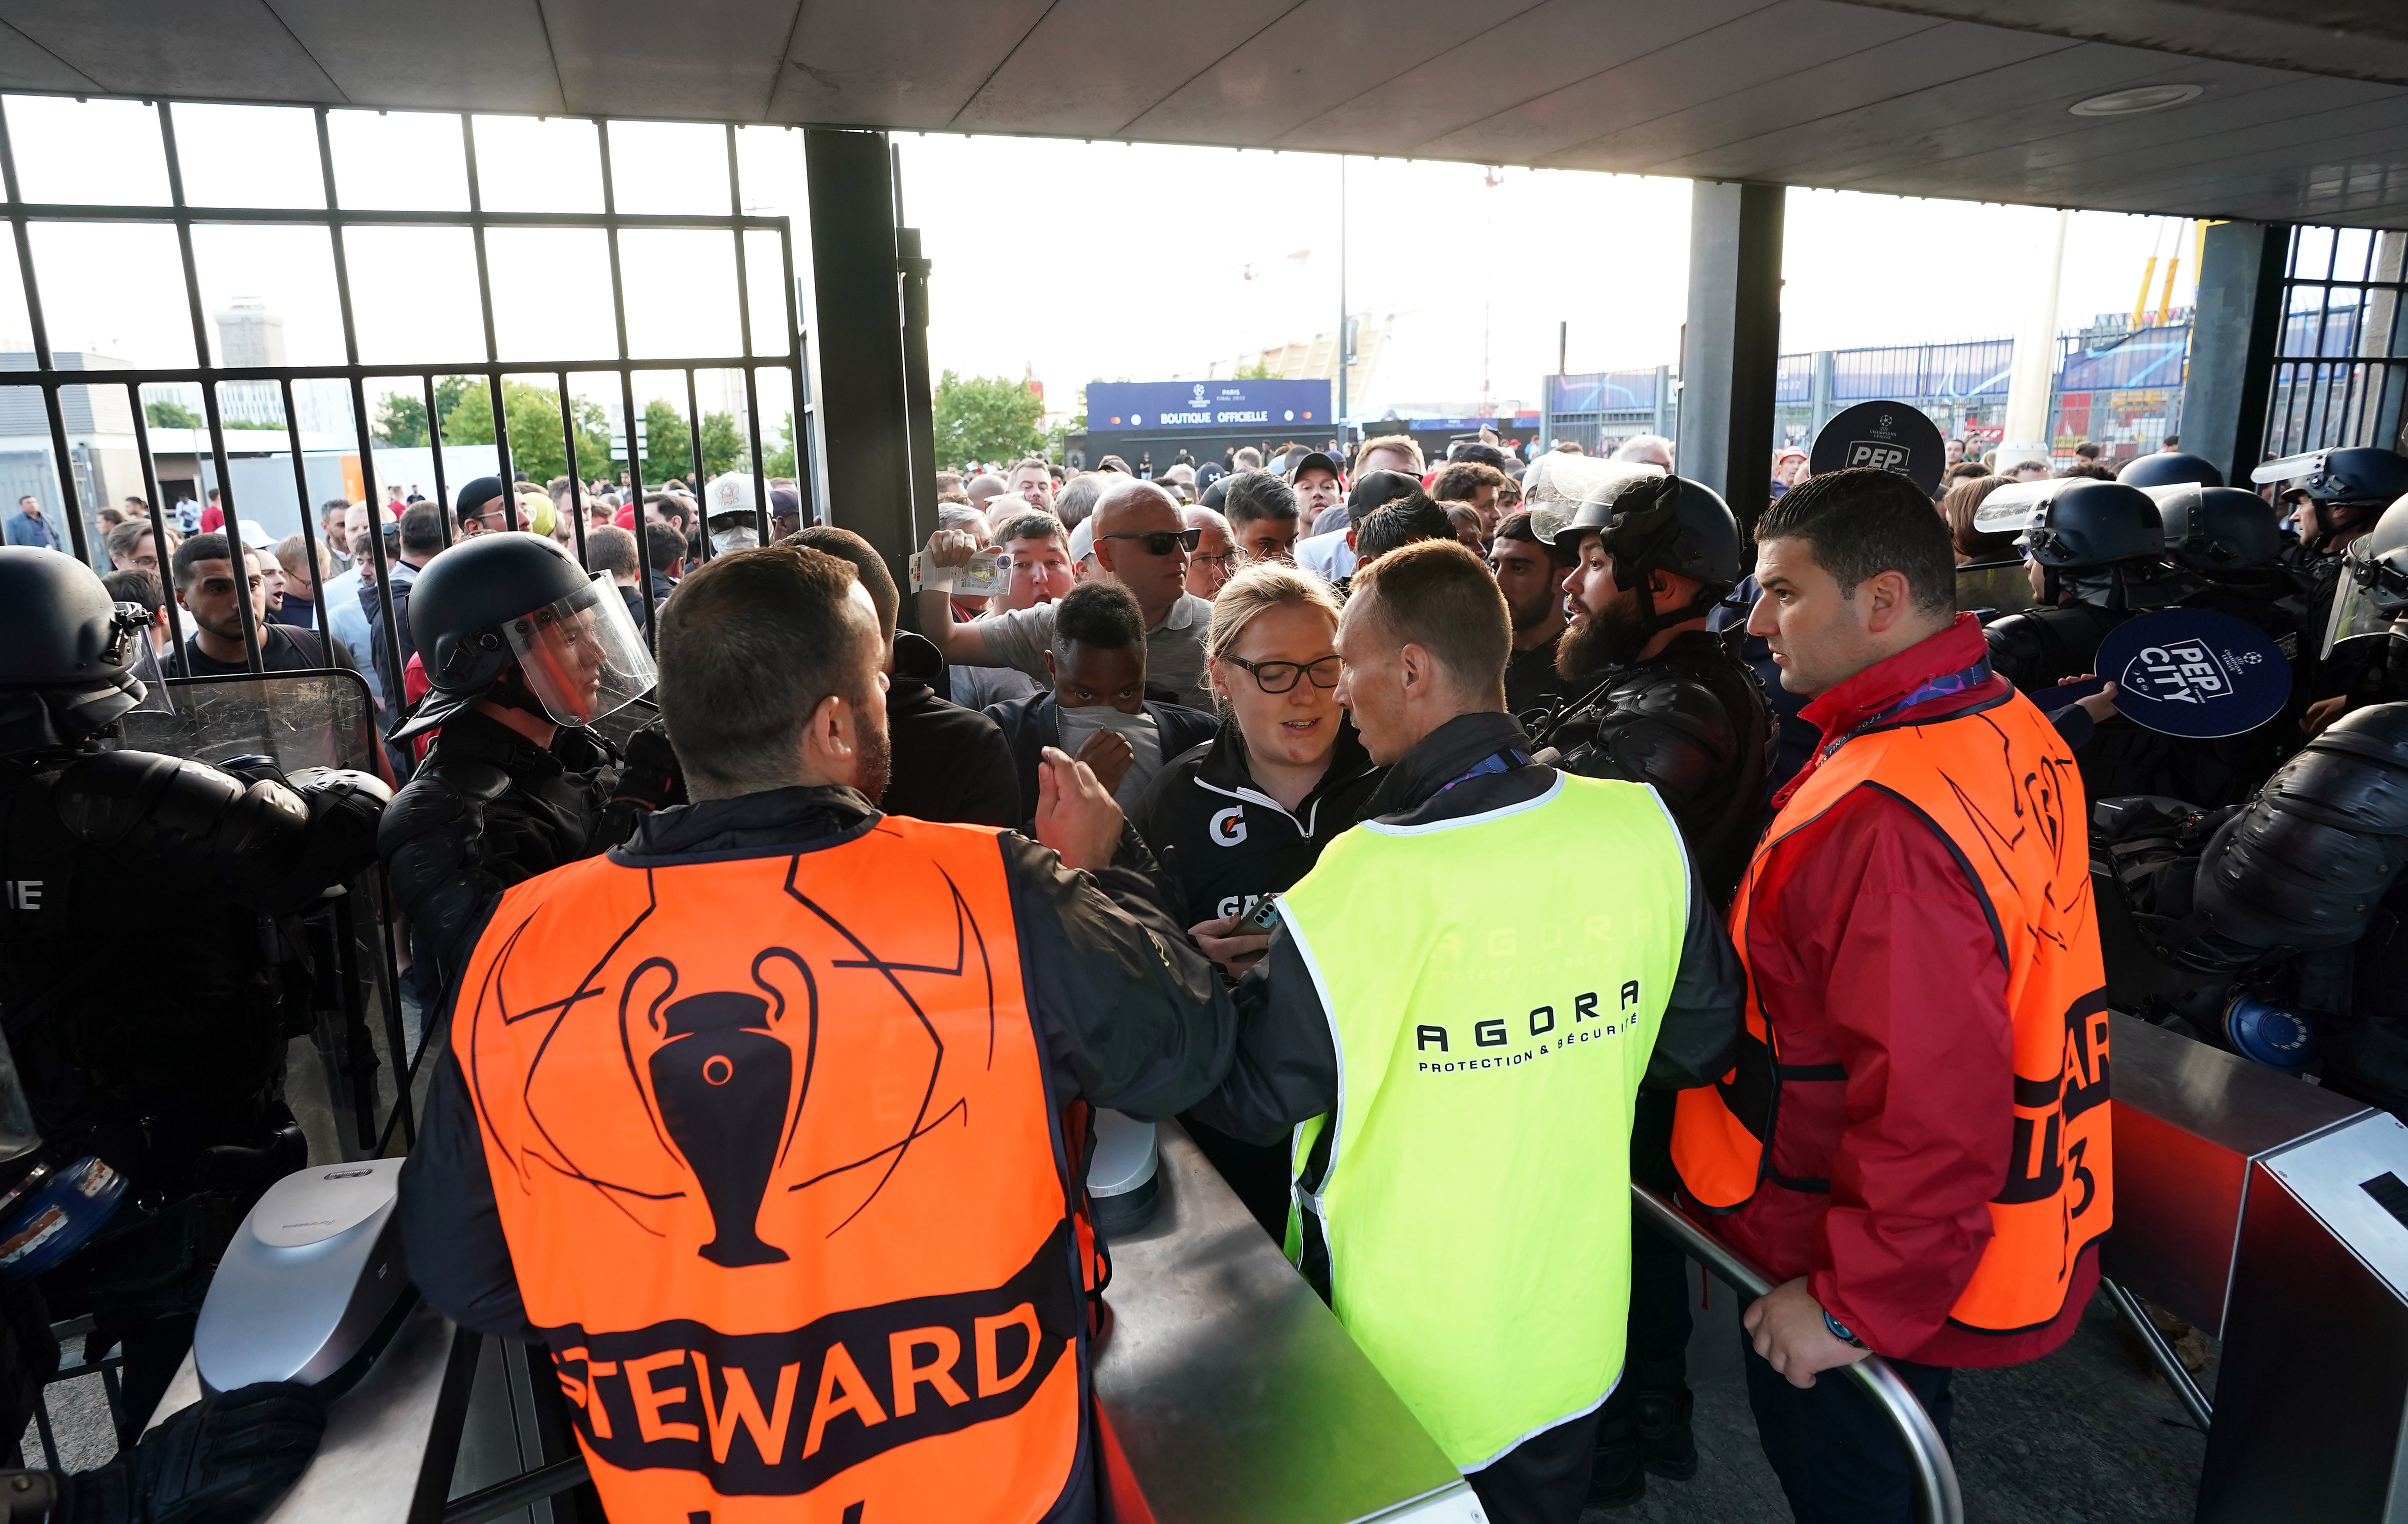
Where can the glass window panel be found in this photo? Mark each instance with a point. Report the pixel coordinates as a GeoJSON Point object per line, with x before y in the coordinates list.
{"type": "Point", "coordinates": [398, 161]}
{"type": "Point", "coordinates": [249, 156]}
{"type": "Point", "coordinates": [2315, 252]}
{"type": "Point", "coordinates": [270, 294]}
{"type": "Point", "coordinates": [16, 333]}
{"type": "Point", "coordinates": [114, 289]}
{"type": "Point", "coordinates": [551, 294]}
{"type": "Point", "coordinates": [681, 293]}
{"type": "Point", "coordinates": [525, 165]}
{"type": "Point", "coordinates": [2354, 253]}
{"type": "Point", "coordinates": [414, 295]}
{"type": "Point", "coordinates": [765, 288]}
{"type": "Point", "coordinates": [776, 387]}
{"type": "Point", "coordinates": [669, 166]}
{"type": "Point", "coordinates": [91, 153]}
{"type": "Point", "coordinates": [769, 164]}
{"type": "Point", "coordinates": [719, 395]}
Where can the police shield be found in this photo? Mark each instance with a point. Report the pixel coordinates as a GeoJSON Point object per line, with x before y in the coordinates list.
{"type": "Point", "coordinates": [1884, 436]}
{"type": "Point", "coordinates": [2188, 671]}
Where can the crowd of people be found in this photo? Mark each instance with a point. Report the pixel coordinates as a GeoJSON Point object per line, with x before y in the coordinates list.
{"type": "Point", "coordinates": [1447, 844]}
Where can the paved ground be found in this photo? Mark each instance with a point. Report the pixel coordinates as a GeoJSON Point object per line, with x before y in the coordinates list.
{"type": "Point", "coordinates": [2083, 1437]}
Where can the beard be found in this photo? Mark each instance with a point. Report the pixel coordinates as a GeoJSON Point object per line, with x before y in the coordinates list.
{"type": "Point", "coordinates": [874, 765]}
{"type": "Point", "coordinates": [1602, 639]}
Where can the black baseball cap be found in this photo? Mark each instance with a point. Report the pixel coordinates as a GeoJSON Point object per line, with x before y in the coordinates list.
{"type": "Point", "coordinates": [1376, 490]}
{"type": "Point", "coordinates": [473, 495]}
{"type": "Point", "coordinates": [1316, 459]}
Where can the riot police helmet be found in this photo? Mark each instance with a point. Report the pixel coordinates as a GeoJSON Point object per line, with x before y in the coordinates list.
{"type": "Point", "coordinates": [2363, 476]}
{"type": "Point", "coordinates": [1658, 523]}
{"type": "Point", "coordinates": [2087, 522]}
{"type": "Point", "coordinates": [73, 660]}
{"type": "Point", "coordinates": [2170, 468]}
{"type": "Point", "coordinates": [2217, 529]}
{"type": "Point", "coordinates": [2373, 587]}
{"type": "Point", "coordinates": [510, 617]}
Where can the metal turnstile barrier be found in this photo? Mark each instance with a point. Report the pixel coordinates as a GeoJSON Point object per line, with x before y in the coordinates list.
{"type": "Point", "coordinates": [1938, 1501]}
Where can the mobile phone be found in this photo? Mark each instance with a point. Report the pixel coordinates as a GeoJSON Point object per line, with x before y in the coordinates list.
{"type": "Point", "coordinates": [1266, 917]}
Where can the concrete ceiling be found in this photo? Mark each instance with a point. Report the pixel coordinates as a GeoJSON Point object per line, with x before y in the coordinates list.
{"type": "Point", "coordinates": [2302, 113]}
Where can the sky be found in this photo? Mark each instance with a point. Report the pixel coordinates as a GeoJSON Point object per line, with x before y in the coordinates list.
{"type": "Point", "coordinates": [1066, 260]}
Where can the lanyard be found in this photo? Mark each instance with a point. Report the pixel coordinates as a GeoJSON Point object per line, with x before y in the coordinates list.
{"type": "Point", "coordinates": [1498, 761]}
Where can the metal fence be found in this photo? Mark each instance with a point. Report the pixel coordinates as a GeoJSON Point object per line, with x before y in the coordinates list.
{"type": "Point", "coordinates": [2341, 360]}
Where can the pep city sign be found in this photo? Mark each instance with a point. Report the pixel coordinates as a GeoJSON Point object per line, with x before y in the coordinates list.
{"type": "Point", "coordinates": [1272, 405]}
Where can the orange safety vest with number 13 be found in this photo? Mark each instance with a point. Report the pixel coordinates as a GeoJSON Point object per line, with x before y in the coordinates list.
{"type": "Point", "coordinates": [1998, 785]}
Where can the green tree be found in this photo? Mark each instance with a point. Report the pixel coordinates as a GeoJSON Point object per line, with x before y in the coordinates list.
{"type": "Point", "coordinates": [986, 418]}
{"type": "Point", "coordinates": [533, 413]}
{"type": "Point", "coordinates": [1259, 371]}
{"type": "Point", "coordinates": [401, 416]}
{"type": "Point", "coordinates": [669, 443]}
{"type": "Point", "coordinates": [171, 415]}
{"type": "Point", "coordinates": [780, 460]}
{"type": "Point", "coordinates": [723, 445]}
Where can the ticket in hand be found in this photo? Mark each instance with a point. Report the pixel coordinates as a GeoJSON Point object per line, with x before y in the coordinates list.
{"type": "Point", "coordinates": [987, 575]}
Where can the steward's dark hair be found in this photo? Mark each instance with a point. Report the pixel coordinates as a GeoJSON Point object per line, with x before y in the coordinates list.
{"type": "Point", "coordinates": [1437, 596]}
{"type": "Point", "coordinates": [1863, 522]}
{"type": "Point", "coordinates": [750, 648]}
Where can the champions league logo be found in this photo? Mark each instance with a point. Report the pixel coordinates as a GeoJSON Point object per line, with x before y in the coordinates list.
{"type": "Point", "coordinates": [1880, 436]}
{"type": "Point", "coordinates": [2188, 672]}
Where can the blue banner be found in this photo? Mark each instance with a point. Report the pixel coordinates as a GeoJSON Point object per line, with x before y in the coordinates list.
{"type": "Point", "coordinates": [1274, 406]}
{"type": "Point", "coordinates": [2190, 673]}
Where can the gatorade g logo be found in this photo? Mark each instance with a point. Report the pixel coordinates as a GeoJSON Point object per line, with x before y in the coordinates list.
{"type": "Point", "coordinates": [779, 1414]}
{"type": "Point", "coordinates": [1229, 826]}
{"type": "Point", "coordinates": [1879, 455]}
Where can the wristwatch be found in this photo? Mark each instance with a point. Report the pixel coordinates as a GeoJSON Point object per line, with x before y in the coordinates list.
{"type": "Point", "coordinates": [1840, 1331]}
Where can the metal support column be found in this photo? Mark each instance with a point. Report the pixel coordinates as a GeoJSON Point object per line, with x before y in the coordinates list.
{"type": "Point", "coordinates": [1730, 360]}
{"type": "Point", "coordinates": [860, 429]}
{"type": "Point", "coordinates": [2232, 340]}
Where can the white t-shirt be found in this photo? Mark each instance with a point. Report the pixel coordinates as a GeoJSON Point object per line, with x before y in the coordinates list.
{"type": "Point", "coordinates": [1174, 650]}
{"type": "Point", "coordinates": [1079, 726]}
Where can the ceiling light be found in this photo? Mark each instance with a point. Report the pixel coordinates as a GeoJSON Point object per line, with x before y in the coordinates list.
{"type": "Point", "coordinates": [2129, 103]}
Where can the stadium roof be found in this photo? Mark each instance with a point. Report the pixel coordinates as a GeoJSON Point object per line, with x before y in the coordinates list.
{"type": "Point", "coordinates": [2300, 110]}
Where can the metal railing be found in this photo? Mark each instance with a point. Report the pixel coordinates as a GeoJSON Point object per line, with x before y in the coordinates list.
{"type": "Point", "coordinates": [1938, 1501]}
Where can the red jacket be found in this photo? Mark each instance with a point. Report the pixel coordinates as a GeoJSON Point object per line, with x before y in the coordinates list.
{"type": "Point", "coordinates": [1870, 950]}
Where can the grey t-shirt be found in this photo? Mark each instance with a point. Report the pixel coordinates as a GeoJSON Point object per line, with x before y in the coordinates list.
{"type": "Point", "coordinates": [1174, 650]}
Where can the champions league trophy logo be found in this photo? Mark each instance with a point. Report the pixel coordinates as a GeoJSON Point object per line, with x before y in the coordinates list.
{"type": "Point", "coordinates": [723, 1085]}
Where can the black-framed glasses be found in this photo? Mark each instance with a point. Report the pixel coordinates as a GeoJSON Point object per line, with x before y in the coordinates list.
{"type": "Point", "coordinates": [1158, 541]}
{"type": "Point", "coordinates": [1279, 677]}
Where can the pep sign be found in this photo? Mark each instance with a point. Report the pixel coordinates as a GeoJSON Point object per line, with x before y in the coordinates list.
{"type": "Point", "coordinates": [2186, 671]}
{"type": "Point", "coordinates": [1883, 436]}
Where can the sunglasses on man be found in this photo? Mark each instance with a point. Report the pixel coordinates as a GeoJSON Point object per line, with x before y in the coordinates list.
{"type": "Point", "coordinates": [1159, 542]}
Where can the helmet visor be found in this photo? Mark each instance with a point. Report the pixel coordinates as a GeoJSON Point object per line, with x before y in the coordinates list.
{"type": "Point", "coordinates": [2369, 596]}
{"type": "Point", "coordinates": [583, 656]}
{"type": "Point", "coordinates": [144, 669]}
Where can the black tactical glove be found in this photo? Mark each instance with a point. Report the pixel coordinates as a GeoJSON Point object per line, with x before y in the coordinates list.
{"type": "Point", "coordinates": [649, 777]}
{"type": "Point", "coordinates": [223, 1461]}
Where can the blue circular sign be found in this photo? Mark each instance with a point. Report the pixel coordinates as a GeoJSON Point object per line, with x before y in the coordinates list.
{"type": "Point", "coordinates": [1884, 436]}
{"type": "Point", "coordinates": [2188, 671]}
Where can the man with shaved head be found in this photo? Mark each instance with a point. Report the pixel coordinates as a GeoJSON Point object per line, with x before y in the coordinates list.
{"type": "Point", "coordinates": [1209, 563]}
{"type": "Point", "coordinates": [1140, 542]}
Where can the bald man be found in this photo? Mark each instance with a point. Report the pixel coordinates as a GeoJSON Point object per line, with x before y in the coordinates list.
{"type": "Point", "coordinates": [1141, 543]}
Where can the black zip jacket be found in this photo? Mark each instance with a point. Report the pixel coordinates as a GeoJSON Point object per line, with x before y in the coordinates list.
{"type": "Point", "coordinates": [489, 808]}
{"type": "Point", "coordinates": [949, 763]}
{"type": "Point", "coordinates": [1286, 1067]}
{"type": "Point", "coordinates": [1131, 1017]}
{"type": "Point", "coordinates": [1225, 843]}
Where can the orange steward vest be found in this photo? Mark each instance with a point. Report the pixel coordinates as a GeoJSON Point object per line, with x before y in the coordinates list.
{"type": "Point", "coordinates": [1999, 785]}
{"type": "Point", "coordinates": [772, 1148]}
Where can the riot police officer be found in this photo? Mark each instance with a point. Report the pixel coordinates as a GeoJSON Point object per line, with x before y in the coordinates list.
{"type": "Point", "coordinates": [2170, 468]}
{"type": "Point", "coordinates": [1671, 704]}
{"type": "Point", "coordinates": [2337, 495]}
{"type": "Point", "coordinates": [2095, 551]}
{"type": "Point", "coordinates": [167, 1064]}
{"type": "Point", "coordinates": [525, 650]}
